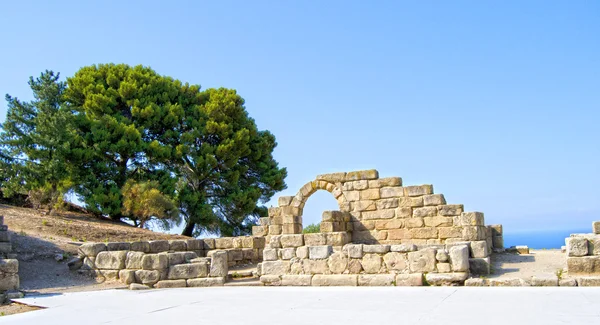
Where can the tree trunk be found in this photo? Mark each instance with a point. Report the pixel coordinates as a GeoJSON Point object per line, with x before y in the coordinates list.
{"type": "Point", "coordinates": [189, 229]}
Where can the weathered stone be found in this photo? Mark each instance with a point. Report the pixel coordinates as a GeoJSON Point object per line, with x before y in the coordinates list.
{"type": "Point", "coordinates": [361, 174]}
{"type": "Point", "coordinates": [111, 260]}
{"type": "Point", "coordinates": [395, 261]}
{"type": "Point", "coordinates": [120, 246]}
{"type": "Point", "coordinates": [194, 244]}
{"type": "Point", "coordinates": [391, 192]}
{"type": "Point", "coordinates": [472, 233]}
{"type": "Point", "coordinates": [370, 194]}
{"type": "Point", "coordinates": [544, 281]}
{"type": "Point", "coordinates": [155, 261]}
{"type": "Point", "coordinates": [209, 243]}
{"type": "Point", "coordinates": [206, 282]}
{"type": "Point", "coordinates": [319, 280]}
{"type": "Point", "coordinates": [178, 245]}
{"type": "Point", "coordinates": [422, 261]}
{"type": "Point", "coordinates": [137, 286]}
{"type": "Point", "coordinates": [315, 267]}
{"type": "Point", "coordinates": [140, 246]}
{"type": "Point", "coordinates": [371, 263]}
{"type": "Point", "coordinates": [404, 212]}
{"type": "Point", "coordinates": [338, 262]}
{"type": "Point", "coordinates": [434, 199]}
{"type": "Point", "coordinates": [589, 281]}
{"type": "Point", "coordinates": [596, 227]}
{"type": "Point", "coordinates": [127, 276]}
{"type": "Point", "coordinates": [480, 266]}
{"type": "Point", "coordinates": [352, 196]}
{"type": "Point", "coordinates": [567, 283]}
{"type": "Point", "coordinates": [437, 221]}
{"type": "Point", "coordinates": [379, 249]}
{"type": "Point", "coordinates": [218, 264]}
{"type": "Point", "coordinates": [450, 210]}
{"type": "Point", "coordinates": [376, 280]}
{"type": "Point", "coordinates": [147, 277]}
{"type": "Point", "coordinates": [274, 241]}
{"type": "Point", "coordinates": [409, 280]}
{"type": "Point", "coordinates": [479, 249]}
{"type": "Point", "coordinates": [386, 203]}
{"type": "Point", "coordinates": [364, 205]}
{"type": "Point", "coordinates": [9, 281]}
{"type": "Point", "coordinates": [337, 238]}
{"type": "Point", "coordinates": [459, 258]}
{"type": "Point", "coordinates": [287, 253]}
{"type": "Point", "coordinates": [583, 265]}
{"type": "Point", "coordinates": [92, 249]}
{"type": "Point", "coordinates": [403, 248]}
{"type": "Point", "coordinates": [284, 200]}
{"type": "Point", "coordinates": [511, 282]}
{"type": "Point", "coordinates": [354, 250]}
{"type": "Point", "coordinates": [577, 246]}
{"type": "Point", "coordinates": [9, 265]}
{"type": "Point", "coordinates": [414, 223]}
{"type": "Point", "coordinates": [418, 190]}
{"type": "Point", "coordinates": [224, 243]}
{"type": "Point", "coordinates": [292, 240]}
{"type": "Point", "coordinates": [380, 214]}
{"type": "Point", "coordinates": [319, 252]}
{"type": "Point", "coordinates": [471, 219]}
{"type": "Point", "coordinates": [475, 282]}
{"type": "Point", "coordinates": [270, 254]}
{"type": "Point", "coordinates": [441, 256]}
{"type": "Point", "coordinates": [4, 235]}
{"type": "Point", "coordinates": [171, 284]}
{"type": "Point", "coordinates": [296, 280]}
{"type": "Point", "coordinates": [75, 263]}
{"type": "Point", "coordinates": [424, 233]}
{"type": "Point", "coordinates": [181, 257]}
{"type": "Point", "coordinates": [302, 252]}
{"type": "Point", "coordinates": [443, 268]}
{"type": "Point", "coordinates": [424, 212]}
{"type": "Point", "coordinates": [445, 279]}
{"type": "Point", "coordinates": [107, 275]}
{"type": "Point", "coordinates": [260, 231]}
{"type": "Point", "coordinates": [498, 242]}
{"type": "Point", "coordinates": [158, 246]}
{"type": "Point", "coordinates": [134, 260]}
{"type": "Point", "coordinates": [275, 267]}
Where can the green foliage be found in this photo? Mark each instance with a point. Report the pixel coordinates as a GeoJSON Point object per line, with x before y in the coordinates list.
{"type": "Point", "coordinates": [35, 141]}
{"type": "Point", "coordinates": [143, 201]}
{"type": "Point", "coordinates": [312, 228]}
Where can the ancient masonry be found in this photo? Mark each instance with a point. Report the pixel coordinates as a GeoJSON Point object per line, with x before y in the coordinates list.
{"type": "Point", "coordinates": [383, 234]}
{"type": "Point", "coordinates": [9, 266]}
{"type": "Point", "coordinates": [583, 256]}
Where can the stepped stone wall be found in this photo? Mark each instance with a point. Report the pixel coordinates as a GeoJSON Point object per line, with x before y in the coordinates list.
{"type": "Point", "coordinates": [583, 252]}
{"type": "Point", "coordinates": [9, 267]}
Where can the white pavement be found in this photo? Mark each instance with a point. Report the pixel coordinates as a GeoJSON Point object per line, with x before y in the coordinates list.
{"type": "Point", "coordinates": [311, 305]}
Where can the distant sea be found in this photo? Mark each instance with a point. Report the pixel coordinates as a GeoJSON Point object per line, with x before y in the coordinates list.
{"type": "Point", "coordinates": [540, 238]}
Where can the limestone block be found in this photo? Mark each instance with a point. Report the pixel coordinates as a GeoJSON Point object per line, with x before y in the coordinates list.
{"type": "Point", "coordinates": [386, 182]}
{"type": "Point", "coordinates": [302, 252]}
{"type": "Point", "coordinates": [295, 240]}
{"type": "Point", "coordinates": [498, 242]}
{"type": "Point", "coordinates": [360, 185]}
{"type": "Point", "coordinates": [352, 196]}
{"type": "Point", "coordinates": [376, 280]}
{"type": "Point", "coordinates": [479, 249]}
{"type": "Point", "coordinates": [265, 221]}
{"type": "Point", "coordinates": [567, 283]}
{"type": "Point", "coordinates": [287, 253]}
{"type": "Point", "coordinates": [589, 281]}
{"type": "Point", "coordinates": [89, 263]}
{"type": "Point", "coordinates": [218, 264]}
{"type": "Point", "coordinates": [450, 232]}
{"type": "Point", "coordinates": [379, 214]}
{"type": "Point", "coordinates": [363, 225]}
{"type": "Point", "coordinates": [9, 281]}
{"type": "Point", "coordinates": [275, 267]}
{"type": "Point", "coordinates": [496, 230]}
{"type": "Point", "coordinates": [403, 212]}
{"type": "Point", "coordinates": [158, 246]}
{"type": "Point", "coordinates": [434, 199]}
{"type": "Point", "coordinates": [209, 243]}
{"type": "Point", "coordinates": [260, 231]}
{"type": "Point", "coordinates": [270, 254]}
{"type": "Point", "coordinates": [596, 227]}
{"type": "Point", "coordinates": [147, 277]}
{"type": "Point", "coordinates": [364, 205]}
{"type": "Point", "coordinates": [409, 280]}
{"type": "Point", "coordinates": [422, 261]}
{"type": "Point", "coordinates": [403, 248]}
{"type": "Point", "coordinates": [296, 280]}
{"type": "Point", "coordinates": [443, 268]}
{"type": "Point", "coordinates": [371, 263]}
{"type": "Point", "coordinates": [476, 282]}
{"type": "Point", "coordinates": [187, 271]}
{"type": "Point", "coordinates": [362, 174]}
{"type": "Point", "coordinates": [333, 177]}
{"type": "Point", "coordinates": [424, 212]}
{"type": "Point", "coordinates": [155, 261]}
{"type": "Point", "coordinates": [127, 277]}
{"type": "Point", "coordinates": [472, 219]}
{"type": "Point", "coordinates": [396, 261]}
{"type": "Point", "coordinates": [391, 192]}
{"type": "Point", "coordinates": [442, 256]}
{"type": "Point", "coordinates": [446, 279]}
{"type": "Point", "coordinates": [414, 223]}
{"type": "Point", "coordinates": [171, 284]}
{"type": "Point", "coordinates": [338, 263]}
{"type": "Point", "coordinates": [550, 280]}
{"type": "Point", "coordinates": [118, 246]}
{"type": "Point", "coordinates": [224, 243]}
{"type": "Point", "coordinates": [410, 202]}
{"type": "Point", "coordinates": [473, 233]}
{"type": "Point", "coordinates": [337, 238]}
{"type": "Point", "coordinates": [134, 260]}
{"type": "Point", "coordinates": [480, 266]}
{"type": "Point", "coordinates": [206, 282]}
{"type": "Point", "coordinates": [111, 260]}
{"type": "Point", "coordinates": [284, 200]}
{"type": "Point", "coordinates": [418, 190]}
{"type": "Point", "coordinates": [291, 228]}
{"type": "Point", "coordinates": [577, 246]}
{"type": "Point", "coordinates": [319, 252]}
{"type": "Point", "coordinates": [137, 286]}
{"type": "Point", "coordinates": [424, 233]}
{"type": "Point", "coordinates": [315, 266]}
{"type": "Point", "coordinates": [354, 266]}
{"type": "Point", "coordinates": [398, 234]}
{"type": "Point", "coordinates": [178, 245]}
{"type": "Point", "coordinates": [9, 265]}
{"type": "Point", "coordinates": [274, 241]}
{"type": "Point", "coordinates": [459, 258]}
{"type": "Point", "coordinates": [437, 221]}
{"type": "Point", "coordinates": [180, 257]}
{"type": "Point", "coordinates": [386, 204]}
{"type": "Point", "coordinates": [379, 249]}
{"type": "Point", "coordinates": [201, 260]}
{"type": "Point", "coordinates": [354, 250]}
{"type": "Point", "coordinates": [450, 210]}
{"type": "Point", "coordinates": [583, 265]}
{"type": "Point", "coordinates": [319, 280]}
{"type": "Point", "coordinates": [510, 282]}
{"type": "Point", "coordinates": [140, 246]}
{"type": "Point", "coordinates": [92, 249]}
{"type": "Point", "coordinates": [522, 249]}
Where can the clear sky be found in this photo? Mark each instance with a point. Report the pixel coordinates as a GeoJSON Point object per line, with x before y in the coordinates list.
{"type": "Point", "coordinates": [496, 103]}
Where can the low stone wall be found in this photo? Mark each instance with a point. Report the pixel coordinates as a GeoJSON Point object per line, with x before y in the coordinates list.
{"type": "Point", "coordinates": [365, 265]}
{"type": "Point", "coordinates": [9, 267]}
{"type": "Point", "coordinates": [159, 264]}
{"type": "Point", "coordinates": [583, 252]}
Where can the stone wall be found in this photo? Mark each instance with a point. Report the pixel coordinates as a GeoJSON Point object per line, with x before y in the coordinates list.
{"type": "Point", "coordinates": [9, 266]}
{"type": "Point", "coordinates": [159, 264]}
{"type": "Point", "coordinates": [583, 252]}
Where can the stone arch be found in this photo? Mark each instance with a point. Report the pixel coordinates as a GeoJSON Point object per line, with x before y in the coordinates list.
{"type": "Point", "coordinates": [310, 188]}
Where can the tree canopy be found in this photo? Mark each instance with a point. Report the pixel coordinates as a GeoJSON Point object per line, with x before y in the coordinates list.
{"type": "Point", "coordinates": [135, 144]}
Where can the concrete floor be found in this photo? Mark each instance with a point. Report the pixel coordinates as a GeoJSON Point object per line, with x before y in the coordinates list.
{"type": "Point", "coordinates": [311, 305]}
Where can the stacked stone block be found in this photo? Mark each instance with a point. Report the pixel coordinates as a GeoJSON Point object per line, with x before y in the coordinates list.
{"type": "Point", "coordinates": [583, 253]}
{"type": "Point", "coordinates": [9, 267]}
{"type": "Point", "coordinates": [159, 264]}
{"type": "Point", "coordinates": [364, 265]}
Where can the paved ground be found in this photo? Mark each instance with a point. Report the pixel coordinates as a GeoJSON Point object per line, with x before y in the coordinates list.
{"type": "Point", "coordinates": [341, 305]}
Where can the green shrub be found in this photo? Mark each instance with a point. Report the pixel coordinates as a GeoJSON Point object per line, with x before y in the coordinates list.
{"type": "Point", "coordinates": [312, 228]}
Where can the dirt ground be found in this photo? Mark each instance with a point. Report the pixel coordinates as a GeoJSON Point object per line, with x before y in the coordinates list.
{"type": "Point", "coordinates": [539, 262]}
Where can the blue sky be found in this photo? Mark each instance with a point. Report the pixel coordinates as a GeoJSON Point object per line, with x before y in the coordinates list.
{"type": "Point", "coordinates": [496, 103]}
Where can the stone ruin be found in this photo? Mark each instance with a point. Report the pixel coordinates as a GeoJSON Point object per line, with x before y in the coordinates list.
{"type": "Point", "coordinates": [9, 266]}
{"type": "Point", "coordinates": [583, 256]}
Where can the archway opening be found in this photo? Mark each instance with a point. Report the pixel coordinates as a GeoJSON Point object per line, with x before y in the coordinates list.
{"type": "Point", "coordinates": [318, 202]}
